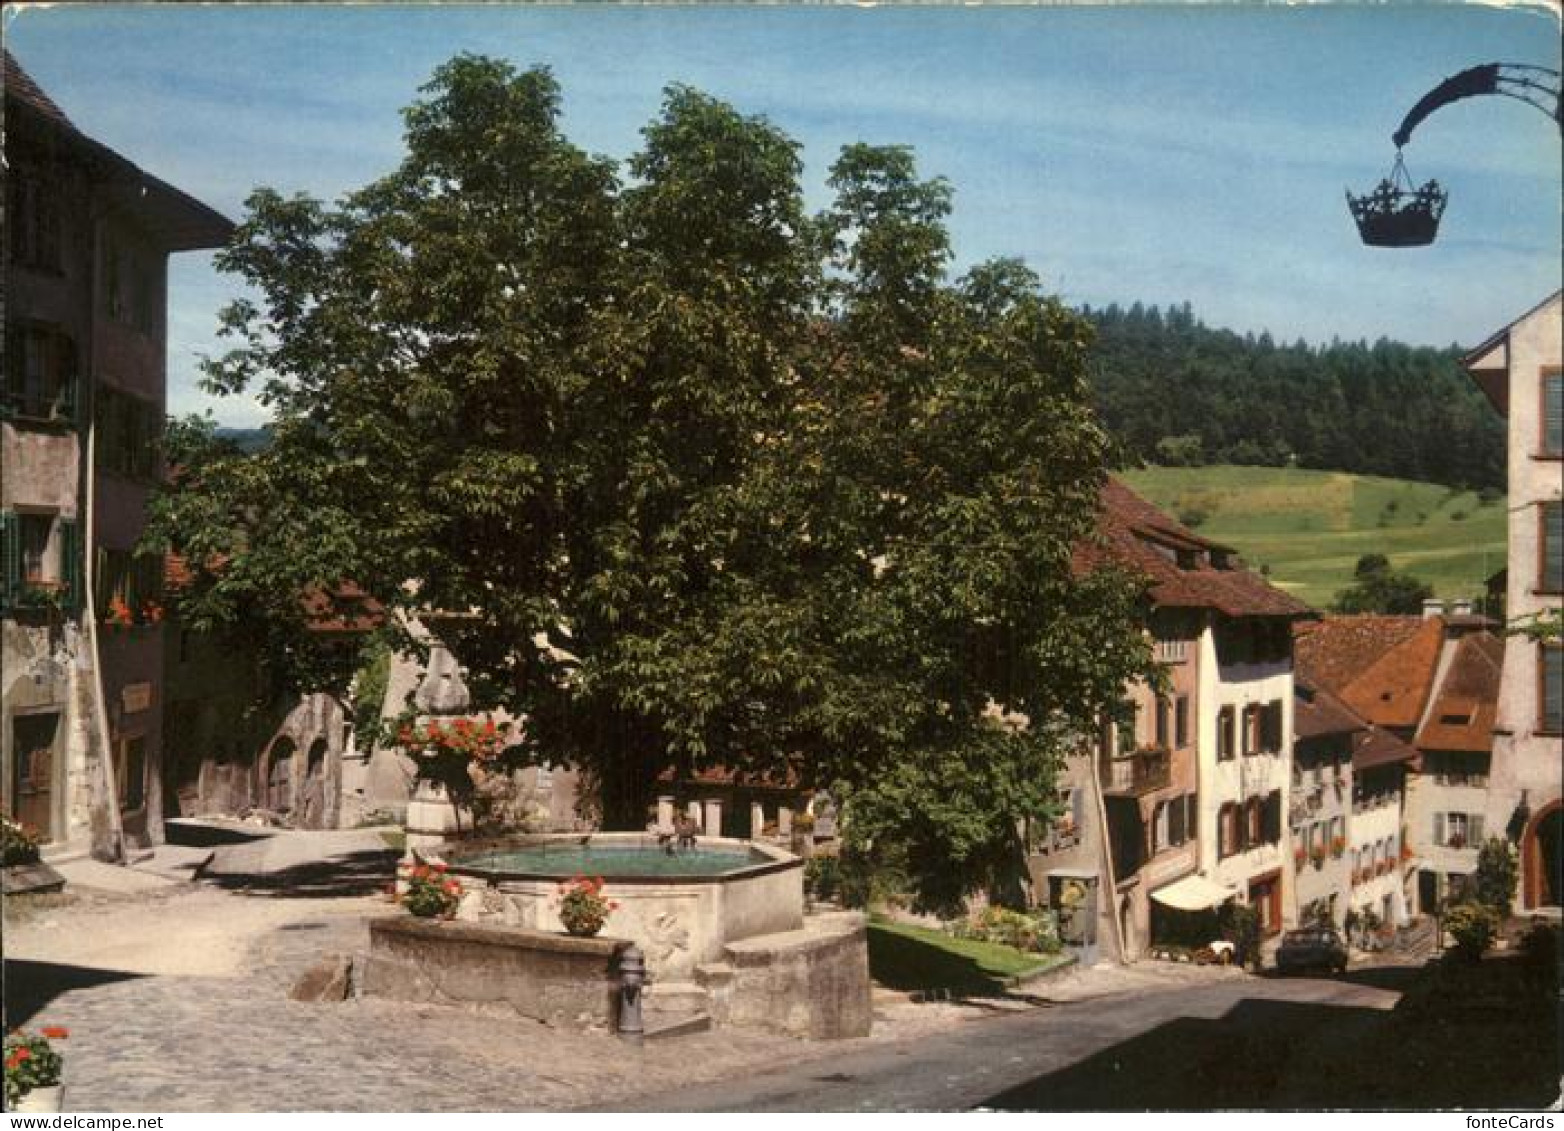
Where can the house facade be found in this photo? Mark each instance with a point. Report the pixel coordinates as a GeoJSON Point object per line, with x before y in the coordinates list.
{"type": "Point", "coordinates": [1521, 370]}
{"type": "Point", "coordinates": [1428, 688]}
{"type": "Point", "coordinates": [1178, 809]}
{"type": "Point", "coordinates": [1321, 803]}
{"type": "Point", "coordinates": [87, 238]}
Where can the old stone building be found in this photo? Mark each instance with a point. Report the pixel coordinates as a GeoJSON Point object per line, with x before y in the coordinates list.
{"type": "Point", "coordinates": [87, 239]}
{"type": "Point", "coordinates": [1178, 809]}
{"type": "Point", "coordinates": [1521, 369]}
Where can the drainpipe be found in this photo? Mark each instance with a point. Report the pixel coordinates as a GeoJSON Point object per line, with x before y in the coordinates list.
{"type": "Point", "coordinates": [116, 847]}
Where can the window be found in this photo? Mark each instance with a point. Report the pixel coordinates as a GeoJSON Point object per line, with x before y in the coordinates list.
{"type": "Point", "coordinates": [128, 588]}
{"type": "Point", "coordinates": [40, 373]}
{"type": "Point", "coordinates": [1552, 412]}
{"type": "Point", "coordinates": [1164, 722]}
{"type": "Point", "coordinates": [1254, 822]}
{"type": "Point", "coordinates": [1251, 729]}
{"type": "Point", "coordinates": [34, 222]}
{"type": "Point", "coordinates": [1550, 697]}
{"type": "Point", "coordinates": [1226, 739]}
{"type": "Point", "coordinates": [1271, 727]}
{"type": "Point", "coordinates": [1177, 811]}
{"type": "Point", "coordinates": [1550, 562]}
{"type": "Point", "coordinates": [1181, 721]}
{"type": "Point", "coordinates": [1227, 820]}
{"type": "Point", "coordinates": [1458, 830]}
{"type": "Point", "coordinates": [39, 561]}
{"type": "Point", "coordinates": [132, 285]}
{"type": "Point", "coordinates": [129, 429]}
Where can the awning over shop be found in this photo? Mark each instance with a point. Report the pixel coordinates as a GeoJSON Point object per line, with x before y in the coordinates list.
{"type": "Point", "coordinates": [1193, 893]}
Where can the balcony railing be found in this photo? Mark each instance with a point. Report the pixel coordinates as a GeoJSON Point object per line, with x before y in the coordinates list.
{"type": "Point", "coordinates": [1137, 773]}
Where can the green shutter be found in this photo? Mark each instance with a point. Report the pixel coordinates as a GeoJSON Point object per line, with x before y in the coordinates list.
{"type": "Point", "coordinates": [71, 563]}
{"type": "Point", "coordinates": [1439, 829]}
{"type": "Point", "coordinates": [1475, 821]}
{"type": "Point", "coordinates": [10, 557]}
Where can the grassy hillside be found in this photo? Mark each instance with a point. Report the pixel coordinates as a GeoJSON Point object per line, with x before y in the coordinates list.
{"type": "Point", "coordinates": [1309, 527]}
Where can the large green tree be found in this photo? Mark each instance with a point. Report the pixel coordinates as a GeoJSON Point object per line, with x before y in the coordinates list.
{"type": "Point", "coordinates": [695, 477]}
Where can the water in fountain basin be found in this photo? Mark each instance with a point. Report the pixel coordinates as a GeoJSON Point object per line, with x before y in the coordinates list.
{"type": "Point", "coordinates": [611, 860]}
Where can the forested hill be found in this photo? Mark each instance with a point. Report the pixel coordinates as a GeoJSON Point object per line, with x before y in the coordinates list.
{"type": "Point", "coordinates": [1178, 392]}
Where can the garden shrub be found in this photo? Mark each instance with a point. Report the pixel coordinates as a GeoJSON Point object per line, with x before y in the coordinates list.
{"type": "Point", "coordinates": [1474, 926]}
{"type": "Point", "coordinates": [1036, 931]}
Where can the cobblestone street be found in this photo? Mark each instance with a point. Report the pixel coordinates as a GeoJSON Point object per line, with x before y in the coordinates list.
{"type": "Point", "coordinates": [177, 1001]}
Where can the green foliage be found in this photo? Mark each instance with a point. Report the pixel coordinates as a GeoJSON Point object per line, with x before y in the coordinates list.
{"type": "Point", "coordinates": [1035, 931]}
{"type": "Point", "coordinates": [30, 1062]}
{"type": "Point", "coordinates": [1383, 409]}
{"type": "Point", "coordinates": [823, 877]}
{"type": "Point", "coordinates": [710, 480]}
{"type": "Point", "coordinates": [1473, 926]}
{"type": "Point", "coordinates": [1378, 588]}
{"type": "Point", "coordinates": [428, 892]}
{"type": "Point", "coordinates": [1240, 925]}
{"type": "Point", "coordinates": [1498, 871]}
{"type": "Point", "coordinates": [369, 693]}
{"type": "Point", "coordinates": [18, 843]}
{"type": "Point", "coordinates": [1543, 626]}
{"type": "Point", "coordinates": [909, 958]}
{"type": "Point", "coordinates": [1181, 451]}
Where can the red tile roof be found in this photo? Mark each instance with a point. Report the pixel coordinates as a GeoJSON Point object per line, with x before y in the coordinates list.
{"type": "Point", "coordinates": [1317, 712]}
{"type": "Point", "coordinates": [1336, 652]}
{"type": "Point", "coordinates": [1378, 747]}
{"type": "Point", "coordinates": [1135, 534]}
{"type": "Point", "coordinates": [1463, 714]}
{"type": "Point", "coordinates": [1386, 668]}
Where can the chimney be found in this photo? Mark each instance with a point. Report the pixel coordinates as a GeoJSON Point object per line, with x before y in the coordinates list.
{"type": "Point", "coordinates": [1432, 607]}
{"type": "Point", "coordinates": [1461, 607]}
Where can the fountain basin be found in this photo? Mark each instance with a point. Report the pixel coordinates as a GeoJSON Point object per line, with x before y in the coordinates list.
{"type": "Point", "coordinates": [680, 909]}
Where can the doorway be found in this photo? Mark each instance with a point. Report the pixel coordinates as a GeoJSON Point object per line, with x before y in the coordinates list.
{"type": "Point", "coordinates": [32, 777]}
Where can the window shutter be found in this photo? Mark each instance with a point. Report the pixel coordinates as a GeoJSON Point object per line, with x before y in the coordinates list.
{"type": "Point", "coordinates": [1553, 413]}
{"type": "Point", "coordinates": [1552, 706]}
{"type": "Point", "coordinates": [10, 557]}
{"type": "Point", "coordinates": [1552, 571]}
{"type": "Point", "coordinates": [1439, 828]}
{"type": "Point", "coordinates": [70, 562]}
{"type": "Point", "coordinates": [1476, 823]}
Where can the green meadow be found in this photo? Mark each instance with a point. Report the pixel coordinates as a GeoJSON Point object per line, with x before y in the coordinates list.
{"type": "Point", "coordinates": [1307, 529]}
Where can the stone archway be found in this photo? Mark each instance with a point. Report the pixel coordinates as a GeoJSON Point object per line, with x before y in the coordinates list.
{"type": "Point", "coordinates": [276, 792]}
{"type": "Point", "coordinates": [312, 793]}
{"type": "Point", "coordinates": [1542, 858]}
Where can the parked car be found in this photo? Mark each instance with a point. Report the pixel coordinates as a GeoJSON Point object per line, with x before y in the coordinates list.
{"type": "Point", "coordinates": [1312, 948]}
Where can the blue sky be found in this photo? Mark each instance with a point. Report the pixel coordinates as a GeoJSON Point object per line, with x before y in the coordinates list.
{"type": "Point", "coordinates": [1159, 154]}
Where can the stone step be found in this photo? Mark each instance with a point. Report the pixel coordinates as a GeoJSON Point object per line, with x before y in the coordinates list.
{"type": "Point", "coordinates": [674, 998]}
{"type": "Point", "coordinates": [694, 1023]}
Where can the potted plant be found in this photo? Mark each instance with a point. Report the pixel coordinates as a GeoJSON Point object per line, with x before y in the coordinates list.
{"type": "Point", "coordinates": [583, 908]}
{"type": "Point", "coordinates": [1300, 856]}
{"type": "Point", "coordinates": [444, 752]}
{"type": "Point", "coordinates": [1338, 845]}
{"type": "Point", "coordinates": [18, 843]}
{"type": "Point", "coordinates": [429, 892]}
{"type": "Point", "coordinates": [1317, 854]}
{"type": "Point", "coordinates": [32, 1071]}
